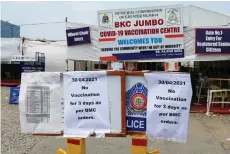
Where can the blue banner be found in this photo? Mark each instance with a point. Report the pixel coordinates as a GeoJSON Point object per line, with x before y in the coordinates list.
{"type": "Point", "coordinates": [170, 53]}
{"type": "Point", "coordinates": [136, 104]}
{"type": "Point", "coordinates": [78, 36]}
{"type": "Point", "coordinates": [212, 41]}
{"type": "Point", "coordinates": [14, 95]}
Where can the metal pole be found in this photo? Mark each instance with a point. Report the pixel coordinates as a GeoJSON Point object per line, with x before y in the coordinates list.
{"type": "Point", "coordinates": [91, 65]}
{"type": "Point", "coordinates": [67, 65]}
{"type": "Point", "coordinates": [79, 65]}
{"type": "Point", "coordinates": [86, 65]}
{"type": "Point", "coordinates": [75, 64]}
{"type": "Point", "coordinates": [99, 67]}
{"type": "Point", "coordinates": [23, 41]}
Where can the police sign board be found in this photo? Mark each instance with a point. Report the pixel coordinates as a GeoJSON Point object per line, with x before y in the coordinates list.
{"type": "Point", "coordinates": [78, 36]}
{"type": "Point", "coordinates": [136, 103]}
{"type": "Point", "coordinates": [141, 33]}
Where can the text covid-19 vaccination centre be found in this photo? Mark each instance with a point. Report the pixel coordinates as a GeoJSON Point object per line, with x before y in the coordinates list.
{"type": "Point", "coordinates": [206, 69]}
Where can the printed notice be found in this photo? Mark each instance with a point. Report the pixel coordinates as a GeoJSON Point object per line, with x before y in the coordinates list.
{"type": "Point", "coordinates": [39, 103]}
{"type": "Point", "coordinates": [86, 109]}
{"type": "Point", "coordinates": [169, 99]}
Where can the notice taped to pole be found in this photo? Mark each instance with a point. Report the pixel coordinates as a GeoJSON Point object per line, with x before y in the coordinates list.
{"type": "Point", "coordinates": [169, 99]}
{"type": "Point", "coordinates": [86, 109]}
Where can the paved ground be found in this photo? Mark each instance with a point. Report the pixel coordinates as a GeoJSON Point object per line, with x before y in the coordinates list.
{"type": "Point", "coordinates": [206, 135]}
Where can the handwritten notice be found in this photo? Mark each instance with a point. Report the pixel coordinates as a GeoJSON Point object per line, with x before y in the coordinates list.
{"type": "Point", "coordinates": [169, 99]}
{"type": "Point", "coordinates": [86, 109]}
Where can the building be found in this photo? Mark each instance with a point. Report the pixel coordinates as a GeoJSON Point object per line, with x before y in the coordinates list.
{"type": "Point", "coordinates": [9, 30]}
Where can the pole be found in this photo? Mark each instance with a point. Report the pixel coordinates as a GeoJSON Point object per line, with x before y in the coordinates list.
{"type": "Point", "coordinates": [91, 66]}
{"type": "Point", "coordinates": [79, 65]}
{"type": "Point", "coordinates": [75, 63]}
{"type": "Point", "coordinates": [86, 66]}
{"type": "Point", "coordinates": [67, 65]}
{"type": "Point", "coordinates": [23, 40]}
{"type": "Point", "coordinates": [99, 67]}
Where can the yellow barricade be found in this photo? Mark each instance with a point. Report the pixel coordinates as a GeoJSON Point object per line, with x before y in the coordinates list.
{"type": "Point", "coordinates": [77, 146]}
{"type": "Point", "coordinates": [139, 145]}
{"type": "Point", "coordinates": [60, 151]}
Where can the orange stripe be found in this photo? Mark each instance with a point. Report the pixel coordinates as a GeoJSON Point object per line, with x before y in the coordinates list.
{"type": "Point", "coordinates": [106, 39]}
{"type": "Point", "coordinates": [75, 142]}
{"type": "Point", "coordinates": [174, 36]}
{"type": "Point", "coordinates": [139, 142]}
{"type": "Point", "coordinates": [109, 58]}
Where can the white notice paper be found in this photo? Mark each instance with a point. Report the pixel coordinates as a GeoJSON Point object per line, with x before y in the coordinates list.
{"type": "Point", "coordinates": [86, 102]}
{"type": "Point", "coordinates": [116, 66]}
{"type": "Point", "coordinates": [39, 103]}
{"type": "Point", "coordinates": [169, 99]}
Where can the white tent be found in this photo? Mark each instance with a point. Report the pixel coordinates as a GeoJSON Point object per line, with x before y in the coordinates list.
{"type": "Point", "coordinates": [9, 48]}
{"type": "Point", "coordinates": [195, 16]}
{"type": "Point", "coordinates": [55, 53]}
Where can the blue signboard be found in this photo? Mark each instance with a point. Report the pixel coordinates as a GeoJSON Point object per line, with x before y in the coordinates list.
{"type": "Point", "coordinates": [14, 95]}
{"type": "Point", "coordinates": [78, 36]}
{"type": "Point", "coordinates": [136, 105]}
{"type": "Point", "coordinates": [31, 66]}
{"type": "Point", "coordinates": [212, 41]}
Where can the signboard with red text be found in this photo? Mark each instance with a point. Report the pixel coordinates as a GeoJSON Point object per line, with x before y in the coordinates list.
{"type": "Point", "coordinates": [141, 33]}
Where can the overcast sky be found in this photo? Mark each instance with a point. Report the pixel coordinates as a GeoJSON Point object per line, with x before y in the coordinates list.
{"type": "Point", "coordinates": [81, 12]}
